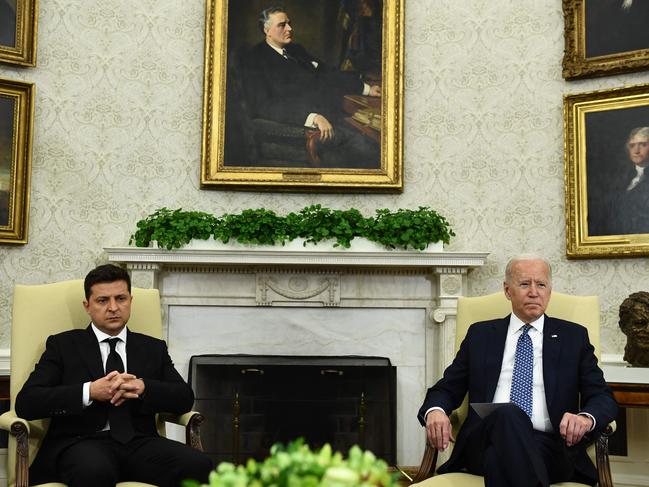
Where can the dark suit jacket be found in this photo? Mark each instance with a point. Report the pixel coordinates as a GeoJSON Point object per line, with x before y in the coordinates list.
{"type": "Point", "coordinates": [54, 390]}
{"type": "Point", "coordinates": [573, 381]}
{"type": "Point", "coordinates": [630, 209]}
{"type": "Point", "coordinates": [288, 91]}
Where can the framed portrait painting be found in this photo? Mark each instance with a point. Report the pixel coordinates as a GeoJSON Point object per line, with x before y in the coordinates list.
{"type": "Point", "coordinates": [605, 37]}
{"type": "Point", "coordinates": [18, 21]}
{"type": "Point", "coordinates": [607, 183]}
{"type": "Point", "coordinates": [303, 97]}
{"type": "Point", "coordinates": [16, 119]}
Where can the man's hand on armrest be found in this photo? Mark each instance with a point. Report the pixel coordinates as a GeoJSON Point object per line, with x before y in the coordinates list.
{"type": "Point", "coordinates": [324, 126]}
{"type": "Point", "coordinates": [438, 429]}
{"type": "Point", "coordinates": [573, 427]}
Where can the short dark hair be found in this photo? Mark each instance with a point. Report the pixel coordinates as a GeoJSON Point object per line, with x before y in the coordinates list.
{"type": "Point", "coordinates": [105, 274]}
{"type": "Point", "coordinates": [264, 16]}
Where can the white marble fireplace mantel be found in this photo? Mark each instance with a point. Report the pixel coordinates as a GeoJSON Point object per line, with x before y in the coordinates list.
{"type": "Point", "coordinates": [397, 304]}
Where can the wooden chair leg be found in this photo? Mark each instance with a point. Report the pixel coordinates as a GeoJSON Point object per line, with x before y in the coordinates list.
{"type": "Point", "coordinates": [193, 431]}
{"type": "Point", "coordinates": [601, 457]}
{"type": "Point", "coordinates": [19, 431]}
{"type": "Point", "coordinates": [428, 464]}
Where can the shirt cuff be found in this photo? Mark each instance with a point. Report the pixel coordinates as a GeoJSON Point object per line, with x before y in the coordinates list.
{"type": "Point", "coordinates": [366, 89]}
{"type": "Point", "coordinates": [434, 408]}
{"type": "Point", "coordinates": [591, 417]}
{"type": "Point", "coordinates": [86, 395]}
{"type": "Point", "coordinates": [310, 121]}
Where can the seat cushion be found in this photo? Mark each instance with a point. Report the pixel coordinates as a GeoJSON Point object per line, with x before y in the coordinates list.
{"type": "Point", "coordinates": [468, 480]}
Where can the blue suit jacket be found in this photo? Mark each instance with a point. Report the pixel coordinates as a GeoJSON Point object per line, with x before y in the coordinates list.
{"type": "Point", "coordinates": [573, 381]}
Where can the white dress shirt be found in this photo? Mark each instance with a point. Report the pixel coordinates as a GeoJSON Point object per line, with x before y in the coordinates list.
{"type": "Point", "coordinates": [104, 348]}
{"type": "Point", "coordinates": [638, 177]}
{"type": "Point", "coordinates": [540, 415]}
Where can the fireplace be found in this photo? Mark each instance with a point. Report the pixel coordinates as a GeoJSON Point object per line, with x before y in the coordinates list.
{"type": "Point", "coordinates": [254, 401]}
{"type": "Point", "coordinates": [398, 305]}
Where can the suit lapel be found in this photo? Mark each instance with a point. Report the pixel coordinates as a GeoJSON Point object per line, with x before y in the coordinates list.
{"type": "Point", "coordinates": [551, 354]}
{"type": "Point", "coordinates": [89, 350]}
{"type": "Point", "coordinates": [494, 355]}
{"type": "Point", "coordinates": [134, 353]}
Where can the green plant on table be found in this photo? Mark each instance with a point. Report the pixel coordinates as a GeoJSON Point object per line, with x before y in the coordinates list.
{"type": "Point", "coordinates": [316, 223]}
{"type": "Point", "coordinates": [296, 465]}
{"type": "Point", "coordinates": [173, 228]}
{"type": "Point", "coordinates": [409, 228]}
{"type": "Point", "coordinates": [259, 227]}
{"type": "Point", "coordinates": [399, 229]}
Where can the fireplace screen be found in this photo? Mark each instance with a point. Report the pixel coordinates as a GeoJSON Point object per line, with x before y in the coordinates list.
{"type": "Point", "coordinates": [251, 402]}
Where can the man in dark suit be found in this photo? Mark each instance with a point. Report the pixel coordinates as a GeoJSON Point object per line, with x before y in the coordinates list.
{"type": "Point", "coordinates": [284, 83]}
{"type": "Point", "coordinates": [102, 427]}
{"type": "Point", "coordinates": [629, 211]}
{"type": "Point", "coordinates": [546, 369]}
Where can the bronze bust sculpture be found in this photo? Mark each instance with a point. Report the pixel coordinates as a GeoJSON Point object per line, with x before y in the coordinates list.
{"type": "Point", "coordinates": [634, 322]}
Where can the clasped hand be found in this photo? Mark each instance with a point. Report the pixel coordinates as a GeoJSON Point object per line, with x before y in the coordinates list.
{"type": "Point", "coordinates": [116, 387]}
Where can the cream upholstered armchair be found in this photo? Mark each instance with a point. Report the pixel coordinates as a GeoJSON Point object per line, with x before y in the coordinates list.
{"type": "Point", "coordinates": [580, 309]}
{"type": "Point", "coordinates": [43, 310]}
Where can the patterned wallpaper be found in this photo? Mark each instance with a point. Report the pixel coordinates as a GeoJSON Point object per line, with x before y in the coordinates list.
{"type": "Point", "coordinates": [118, 133]}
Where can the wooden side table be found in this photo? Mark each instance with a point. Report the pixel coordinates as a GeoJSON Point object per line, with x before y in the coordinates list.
{"type": "Point", "coordinates": [631, 395]}
{"type": "Point", "coordinates": [4, 387]}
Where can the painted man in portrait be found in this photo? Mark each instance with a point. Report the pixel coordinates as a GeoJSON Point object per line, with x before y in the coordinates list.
{"type": "Point", "coordinates": [6, 132]}
{"type": "Point", "coordinates": [284, 83]}
{"type": "Point", "coordinates": [616, 26]}
{"type": "Point", "coordinates": [624, 208]}
{"type": "Point", "coordinates": [8, 23]}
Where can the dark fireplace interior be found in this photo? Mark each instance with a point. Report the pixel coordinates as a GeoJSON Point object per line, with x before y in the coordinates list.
{"type": "Point", "coordinates": [251, 402]}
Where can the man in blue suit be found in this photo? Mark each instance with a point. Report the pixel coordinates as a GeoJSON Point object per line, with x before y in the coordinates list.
{"type": "Point", "coordinates": [540, 438]}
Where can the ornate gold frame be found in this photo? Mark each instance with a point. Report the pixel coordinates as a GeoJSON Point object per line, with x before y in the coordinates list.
{"type": "Point", "coordinates": [215, 174]}
{"type": "Point", "coordinates": [577, 65]}
{"type": "Point", "coordinates": [24, 51]}
{"type": "Point", "coordinates": [21, 159]}
{"type": "Point", "coordinates": [580, 244]}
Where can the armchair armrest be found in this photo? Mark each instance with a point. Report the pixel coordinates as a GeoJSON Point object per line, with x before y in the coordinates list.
{"type": "Point", "coordinates": [20, 429]}
{"type": "Point", "coordinates": [191, 421]}
{"type": "Point", "coordinates": [9, 418]}
{"type": "Point", "coordinates": [428, 463]}
{"type": "Point", "coordinates": [601, 456]}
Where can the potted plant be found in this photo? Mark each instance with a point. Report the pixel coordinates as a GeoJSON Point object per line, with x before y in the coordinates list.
{"type": "Point", "coordinates": [296, 465]}
{"type": "Point", "coordinates": [401, 229]}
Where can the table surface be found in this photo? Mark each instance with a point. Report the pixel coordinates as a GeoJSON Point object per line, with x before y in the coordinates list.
{"type": "Point", "coordinates": [630, 395]}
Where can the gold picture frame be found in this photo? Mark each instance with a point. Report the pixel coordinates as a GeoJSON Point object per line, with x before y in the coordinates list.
{"type": "Point", "coordinates": [16, 122]}
{"type": "Point", "coordinates": [236, 157]}
{"type": "Point", "coordinates": [605, 37]}
{"type": "Point", "coordinates": [18, 27]}
{"type": "Point", "coordinates": [606, 196]}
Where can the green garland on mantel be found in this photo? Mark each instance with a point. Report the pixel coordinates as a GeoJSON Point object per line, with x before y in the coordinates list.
{"type": "Point", "coordinates": [400, 229]}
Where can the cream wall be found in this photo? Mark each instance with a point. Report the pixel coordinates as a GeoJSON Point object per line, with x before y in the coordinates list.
{"type": "Point", "coordinates": [118, 133]}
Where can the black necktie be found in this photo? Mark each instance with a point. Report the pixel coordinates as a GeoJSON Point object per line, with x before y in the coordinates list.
{"type": "Point", "coordinates": [288, 56]}
{"type": "Point", "coordinates": [119, 418]}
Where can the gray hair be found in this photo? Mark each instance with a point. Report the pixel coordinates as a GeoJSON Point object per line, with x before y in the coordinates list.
{"type": "Point", "coordinates": [641, 131]}
{"type": "Point", "coordinates": [264, 16]}
{"type": "Point", "coordinates": [525, 257]}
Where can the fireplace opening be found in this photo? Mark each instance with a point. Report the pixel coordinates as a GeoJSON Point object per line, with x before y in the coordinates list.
{"type": "Point", "coordinates": [253, 401]}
